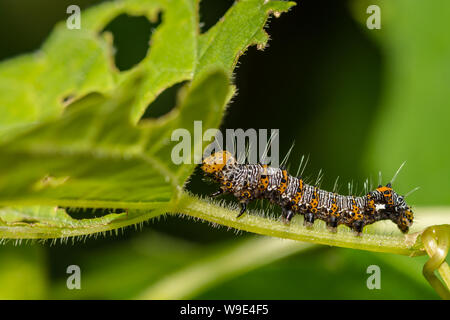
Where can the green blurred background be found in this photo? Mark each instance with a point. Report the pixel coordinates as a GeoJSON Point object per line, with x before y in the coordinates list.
{"type": "Point", "coordinates": [355, 100]}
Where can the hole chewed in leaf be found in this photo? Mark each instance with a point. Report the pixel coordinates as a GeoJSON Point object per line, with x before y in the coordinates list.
{"type": "Point", "coordinates": [212, 11]}
{"type": "Point", "coordinates": [131, 39]}
{"type": "Point", "coordinates": [164, 102]}
{"type": "Point", "coordinates": [91, 213]}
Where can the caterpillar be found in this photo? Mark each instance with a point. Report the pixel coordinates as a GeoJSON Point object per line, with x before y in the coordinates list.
{"type": "Point", "coordinates": [248, 182]}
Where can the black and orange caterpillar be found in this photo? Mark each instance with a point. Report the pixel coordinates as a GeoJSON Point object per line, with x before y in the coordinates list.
{"type": "Point", "coordinates": [255, 181]}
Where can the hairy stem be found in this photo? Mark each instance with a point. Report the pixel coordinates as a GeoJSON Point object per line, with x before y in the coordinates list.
{"type": "Point", "coordinates": [391, 243]}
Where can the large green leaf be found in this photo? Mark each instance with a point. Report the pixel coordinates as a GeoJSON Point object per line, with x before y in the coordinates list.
{"type": "Point", "coordinates": [96, 152]}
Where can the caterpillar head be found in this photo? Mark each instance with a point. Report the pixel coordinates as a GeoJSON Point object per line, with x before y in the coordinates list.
{"type": "Point", "coordinates": [217, 161]}
{"type": "Point", "coordinates": [394, 206]}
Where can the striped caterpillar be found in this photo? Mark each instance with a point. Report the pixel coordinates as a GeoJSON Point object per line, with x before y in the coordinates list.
{"type": "Point", "coordinates": [248, 182]}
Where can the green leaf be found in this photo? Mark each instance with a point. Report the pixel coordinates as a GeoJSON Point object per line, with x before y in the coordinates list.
{"type": "Point", "coordinates": [95, 151]}
{"type": "Point", "coordinates": [91, 158]}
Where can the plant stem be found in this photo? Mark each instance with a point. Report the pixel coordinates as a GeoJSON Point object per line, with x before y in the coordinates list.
{"type": "Point", "coordinates": [391, 243]}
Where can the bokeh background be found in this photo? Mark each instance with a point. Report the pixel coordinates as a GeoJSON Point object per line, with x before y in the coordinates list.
{"type": "Point", "coordinates": [355, 100]}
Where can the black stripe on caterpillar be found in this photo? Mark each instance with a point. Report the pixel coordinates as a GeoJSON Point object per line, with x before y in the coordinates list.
{"type": "Point", "coordinates": [248, 182]}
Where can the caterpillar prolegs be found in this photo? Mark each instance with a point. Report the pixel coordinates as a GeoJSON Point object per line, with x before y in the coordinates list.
{"type": "Point", "coordinates": [248, 182]}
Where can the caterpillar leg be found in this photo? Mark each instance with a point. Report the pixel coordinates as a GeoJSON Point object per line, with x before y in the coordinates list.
{"type": "Point", "coordinates": [243, 208]}
{"type": "Point", "coordinates": [309, 219]}
{"type": "Point", "coordinates": [332, 223]}
{"type": "Point", "coordinates": [287, 215]}
{"type": "Point", "coordinates": [244, 198]}
{"type": "Point", "coordinates": [358, 226]}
